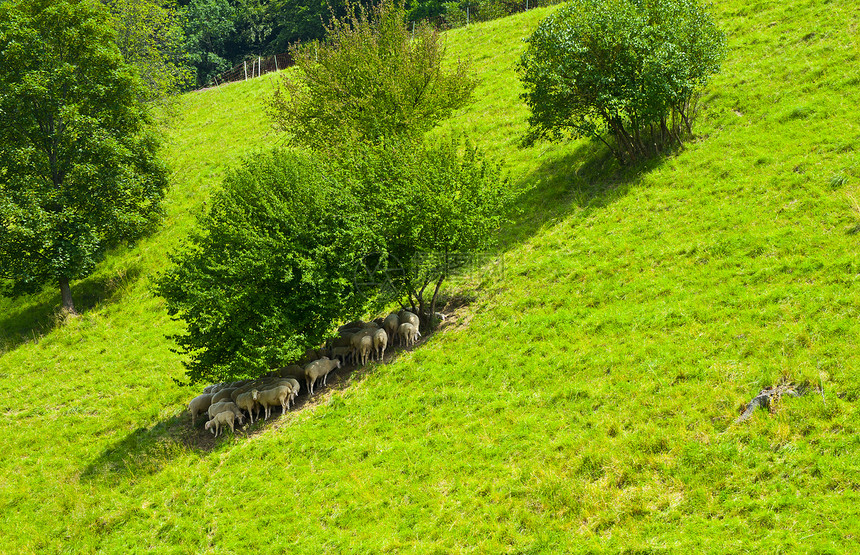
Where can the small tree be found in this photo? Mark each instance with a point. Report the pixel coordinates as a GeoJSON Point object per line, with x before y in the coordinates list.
{"type": "Point", "coordinates": [268, 269]}
{"type": "Point", "coordinates": [438, 208]}
{"type": "Point", "coordinates": [627, 68]}
{"type": "Point", "coordinates": [78, 171]}
{"type": "Point", "coordinates": [370, 79]}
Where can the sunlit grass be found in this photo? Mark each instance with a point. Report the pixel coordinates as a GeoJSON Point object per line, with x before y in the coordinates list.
{"type": "Point", "coordinates": [583, 402]}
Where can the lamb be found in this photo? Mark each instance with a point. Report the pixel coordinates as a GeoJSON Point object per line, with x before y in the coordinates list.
{"type": "Point", "coordinates": [319, 369]}
{"type": "Point", "coordinates": [275, 396]}
{"type": "Point", "coordinates": [408, 333]}
{"type": "Point", "coordinates": [380, 342]}
{"type": "Point", "coordinates": [245, 401]}
{"type": "Point", "coordinates": [390, 324]}
{"type": "Point", "coordinates": [198, 405]}
{"type": "Point", "coordinates": [219, 420]}
{"type": "Point", "coordinates": [227, 406]}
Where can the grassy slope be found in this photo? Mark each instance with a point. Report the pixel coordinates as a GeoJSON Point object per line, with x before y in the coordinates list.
{"type": "Point", "coordinates": [587, 404]}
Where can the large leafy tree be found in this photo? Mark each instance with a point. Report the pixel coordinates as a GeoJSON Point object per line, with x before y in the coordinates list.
{"type": "Point", "coordinates": [269, 267]}
{"type": "Point", "coordinates": [371, 79]}
{"type": "Point", "coordinates": [78, 166]}
{"type": "Point", "coordinates": [629, 69]}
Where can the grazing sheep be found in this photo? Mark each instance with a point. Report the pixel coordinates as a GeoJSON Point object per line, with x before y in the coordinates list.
{"type": "Point", "coordinates": [223, 394]}
{"type": "Point", "coordinates": [198, 405]}
{"type": "Point", "coordinates": [219, 420]}
{"type": "Point", "coordinates": [319, 369]}
{"type": "Point", "coordinates": [408, 333]}
{"type": "Point", "coordinates": [273, 397]}
{"type": "Point", "coordinates": [245, 401]}
{"type": "Point", "coordinates": [291, 371]}
{"type": "Point", "coordinates": [380, 342]}
{"type": "Point", "coordinates": [226, 406]}
{"type": "Point", "coordinates": [390, 324]}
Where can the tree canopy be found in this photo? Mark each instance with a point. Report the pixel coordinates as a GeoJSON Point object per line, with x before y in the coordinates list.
{"type": "Point", "coordinates": [627, 68]}
{"type": "Point", "coordinates": [370, 79]}
{"type": "Point", "coordinates": [268, 268]}
{"type": "Point", "coordinates": [78, 166]}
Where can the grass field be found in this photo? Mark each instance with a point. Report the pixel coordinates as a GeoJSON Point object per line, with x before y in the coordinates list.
{"type": "Point", "coordinates": [583, 402]}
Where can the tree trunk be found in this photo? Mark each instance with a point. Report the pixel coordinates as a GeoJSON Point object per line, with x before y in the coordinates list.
{"type": "Point", "coordinates": [66, 291]}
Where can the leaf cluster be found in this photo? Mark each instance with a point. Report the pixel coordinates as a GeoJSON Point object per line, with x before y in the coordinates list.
{"type": "Point", "coordinates": [628, 68]}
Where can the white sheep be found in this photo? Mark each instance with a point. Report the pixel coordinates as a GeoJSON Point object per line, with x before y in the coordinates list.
{"type": "Point", "coordinates": [365, 347]}
{"type": "Point", "coordinates": [273, 397]}
{"type": "Point", "coordinates": [228, 406]}
{"type": "Point", "coordinates": [319, 369]}
{"type": "Point", "coordinates": [390, 324]}
{"type": "Point", "coordinates": [219, 420]}
{"type": "Point", "coordinates": [245, 401]}
{"type": "Point", "coordinates": [380, 343]}
{"type": "Point", "coordinates": [341, 353]}
{"type": "Point", "coordinates": [198, 405]}
{"type": "Point", "coordinates": [409, 318]}
{"type": "Point", "coordinates": [408, 333]}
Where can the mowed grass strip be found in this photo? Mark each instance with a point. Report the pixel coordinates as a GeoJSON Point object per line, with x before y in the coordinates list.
{"type": "Point", "coordinates": [585, 401]}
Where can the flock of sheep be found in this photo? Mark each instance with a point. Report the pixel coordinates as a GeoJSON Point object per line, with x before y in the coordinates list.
{"type": "Point", "coordinates": [357, 343]}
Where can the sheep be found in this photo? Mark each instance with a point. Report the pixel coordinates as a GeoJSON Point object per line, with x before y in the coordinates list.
{"type": "Point", "coordinates": [294, 384]}
{"type": "Point", "coordinates": [219, 420]}
{"type": "Point", "coordinates": [292, 371]}
{"type": "Point", "coordinates": [408, 333]}
{"type": "Point", "coordinates": [353, 324]}
{"type": "Point", "coordinates": [222, 395]}
{"type": "Point", "coordinates": [390, 324]}
{"type": "Point", "coordinates": [273, 397]}
{"type": "Point", "coordinates": [341, 353]}
{"type": "Point", "coordinates": [319, 369]}
{"type": "Point", "coordinates": [228, 406]}
{"type": "Point", "coordinates": [245, 401]}
{"type": "Point", "coordinates": [370, 326]}
{"type": "Point", "coordinates": [198, 405]}
{"type": "Point", "coordinates": [380, 342]}
{"type": "Point", "coordinates": [365, 347]}
{"type": "Point", "coordinates": [410, 318]}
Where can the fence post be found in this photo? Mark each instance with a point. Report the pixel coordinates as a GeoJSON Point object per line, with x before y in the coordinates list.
{"type": "Point", "coordinates": [276, 63]}
{"type": "Point", "coordinates": [259, 66]}
{"type": "Point", "coordinates": [245, 63]}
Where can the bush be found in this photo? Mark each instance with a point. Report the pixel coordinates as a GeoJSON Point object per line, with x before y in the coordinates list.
{"type": "Point", "coordinates": [628, 68]}
{"type": "Point", "coordinates": [268, 269]}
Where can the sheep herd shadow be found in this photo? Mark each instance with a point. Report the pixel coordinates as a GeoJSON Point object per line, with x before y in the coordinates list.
{"type": "Point", "coordinates": [147, 450]}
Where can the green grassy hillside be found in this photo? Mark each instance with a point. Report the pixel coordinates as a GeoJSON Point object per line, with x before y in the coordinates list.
{"type": "Point", "coordinates": [584, 402]}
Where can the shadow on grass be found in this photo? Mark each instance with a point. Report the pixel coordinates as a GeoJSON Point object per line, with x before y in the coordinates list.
{"type": "Point", "coordinates": [588, 178]}
{"type": "Point", "coordinates": [146, 451]}
{"type": "Point", "coordinates": [29, 318]}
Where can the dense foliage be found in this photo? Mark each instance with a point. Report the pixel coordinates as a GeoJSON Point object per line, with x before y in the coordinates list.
{"type": "Point", "coordinates": [439, 207]}
{"type": "Point", "coordinates": [268, 269]}
{"type": "Point", "coordinates": [78, 169]}
{"type": "Point", "coordinates": [151, 38]}
{"type": "Point", "coordinates": [627, 68]}
{"type": "Point", "coordinates": [369, 80]}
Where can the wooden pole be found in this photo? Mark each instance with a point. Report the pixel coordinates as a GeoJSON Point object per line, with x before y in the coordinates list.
{"type": "Point", "coordinates": [245, 63]}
